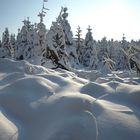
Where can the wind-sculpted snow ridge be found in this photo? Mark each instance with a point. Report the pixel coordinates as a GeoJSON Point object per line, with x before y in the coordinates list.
{"type": "Point", "coordinates": [42, 104]}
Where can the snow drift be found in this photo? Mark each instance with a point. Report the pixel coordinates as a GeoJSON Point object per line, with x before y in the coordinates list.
{"type": "Point", "coordinates": [42, 104]}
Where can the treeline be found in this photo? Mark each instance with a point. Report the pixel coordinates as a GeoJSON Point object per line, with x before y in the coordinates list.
{"type": "Point", "coordinates": [58, 46]}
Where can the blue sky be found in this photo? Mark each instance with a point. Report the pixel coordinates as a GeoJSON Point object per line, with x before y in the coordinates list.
{"type": "Point", "coordinates": [110, 18]}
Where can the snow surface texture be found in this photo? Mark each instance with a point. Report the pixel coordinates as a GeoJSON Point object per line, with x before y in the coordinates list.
{"type": "Point", "coordinates": [42, 104]}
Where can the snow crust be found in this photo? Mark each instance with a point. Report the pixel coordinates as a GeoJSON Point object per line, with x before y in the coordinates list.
{"type": "Point", "coordinates": [37, 103]}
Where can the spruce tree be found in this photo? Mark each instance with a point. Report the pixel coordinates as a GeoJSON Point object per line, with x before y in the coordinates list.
{"type": "Point", "coordinates": [1, 50]}
{"type": "Point", "coordinates": [124, 61]}
{"type": "Point", "coordinates": [22, 41]}
{"type": "Point", "coordinates": [12, 45]}
{"type": "Point", "coordinates": [29, 47]}
{"type": "Point", "coordinates": [79, 44]}
{"type": "Point", "coordinates": [66, 26]}
{"type": "Point", "coordinates": [89, 51]}
{"type": "Point", "coordinates": [36, 43]}
{"type": "Point", "coordinates": [102, 51]}
{"type": "Point", "coordinates": [113, 52]}
{"type": "Point", "coordinates": [18, 47]}
{"type": "Point", "coordinates": [56, 47]}
{"type": "Point", "coordinates": [70, 47]}
{"type": "Point", "coordinates": [6, 49]}
{"type": "Point", "coordinates": [41, 31]}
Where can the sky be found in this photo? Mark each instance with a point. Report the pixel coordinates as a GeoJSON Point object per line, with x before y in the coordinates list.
{"type": "Point", "coordinates": [110, 18]}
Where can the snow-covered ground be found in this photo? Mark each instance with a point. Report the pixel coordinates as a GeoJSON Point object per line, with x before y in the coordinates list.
{"type": "Point", "coordinates": [37, 103]}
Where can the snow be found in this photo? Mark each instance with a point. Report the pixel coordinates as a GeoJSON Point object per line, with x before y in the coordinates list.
{"type": "Point", "coordinates": [7, 128]}
{"type": "Point", "coordinates": [38, 103]}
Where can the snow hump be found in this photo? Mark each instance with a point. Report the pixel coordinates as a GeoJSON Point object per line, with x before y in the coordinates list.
{"type": "Point", "coordinates": [37, 103]}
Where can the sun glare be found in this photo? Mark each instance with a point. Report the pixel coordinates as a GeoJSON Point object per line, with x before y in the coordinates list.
{"type": "Point", "coordinates": [113, 20]}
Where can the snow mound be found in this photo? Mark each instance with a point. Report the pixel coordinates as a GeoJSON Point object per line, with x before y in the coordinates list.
{"type": "Point", "coordinates": [42, 104]}
{"type": "Point", "coordinates": [7, 129]}
{"type": "Point", "coordinates": [90, 75]}
{"type": "Point", "coordinates": [94, 89]}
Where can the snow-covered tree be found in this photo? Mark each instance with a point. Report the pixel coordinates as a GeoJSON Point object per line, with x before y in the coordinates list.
{"type": "Point", "coordinates": [89, 51]}
{"type": "Point", "coordinates": [102, 51]}
{"type": "Point", "coordinates": [66, 26]}
{"type": "Point", "coordinates": [5, 46]}
{"type": "Point", "coordinates": [107, 67]}
{"type": "Point", "coordinates": [41, 31]}
{"type": "Point", "coordinates": [12, 45]}
{"type": "Point", "coordinates": [111, 49]}
{"type": "Point", "coordinates": [18, 47]}
{"type": "Point", "coordinates": [56, 48]}
{"type": "Point", "coordinates": [113, 53]}
{"type": "Point", "coordinates": [26, 41]}
{"type": "Point", "coordinates": [124, 46]}
{"type": "Point", "coordinates": [133, 57]}
{"type": "Point", "coordinates": [37, 52]}
{"type": "Point", "coordinates": [0, 49]}
{"type": "Point", "coordinates": [79, 44]}
{"type": "Point", "coordinates": [70, 47]}
{"type": "Point", "coordinates": [23, 43]}
{"type": "Point", "coordinates": [2, 54]}
{"type": "Point", "coordinates": [124, 43]}
{"type": "Point", "coordinates": [29, 48]}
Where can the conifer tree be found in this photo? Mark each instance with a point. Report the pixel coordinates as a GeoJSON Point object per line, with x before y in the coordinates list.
{"type": "Point", "coordinates": [1, 50]}
{"type": "Point", "coordinates": [70, 47]}
{"type": "Point", "coordinates": [66, 26]}
{"type": "Point", "coordinates": [6, 50]}
{"type": "Point", "coordinates": [29, 48]}
{"type": "Point", "coordinates": [56, 48]}
{"type": "Point", "coordinates": [79, 44]}
{"type": "Point", "coordinates": [41, 31]}
{"type": "Point", "coordinates": [12, 45]}
{"type": "Point", "coordinates": [37, 52]}
{"type": "Point", "coordinates": [133, 57]}
{"type": "Point", "coordinates": [102, 51]}
{"type": "Point", "coordinates": [113, 53]}
{"type": "Point", "coordinates": [23, 46]}
{"type": "Point", "coordinates": [89, 51]}
{"type": "Point", "coordinates": [124, 61]}
{"type": "Point", "coordinates": [18, 49]}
